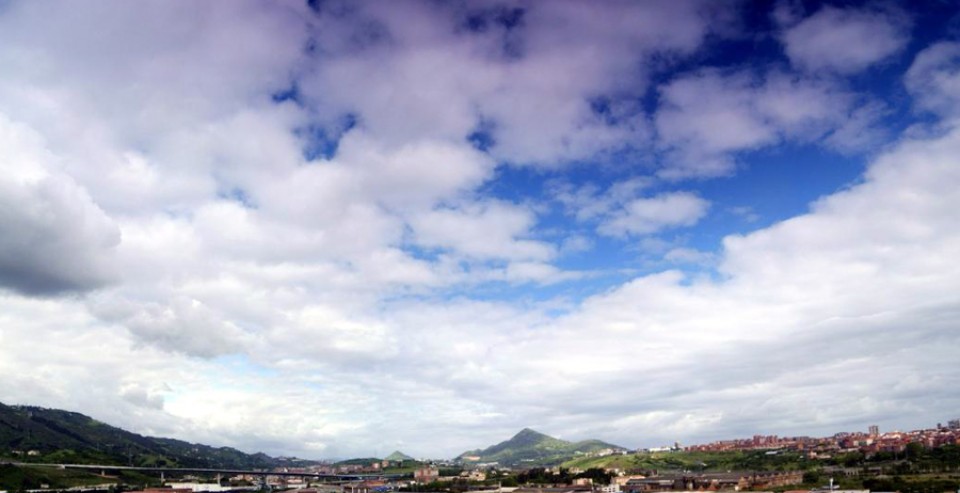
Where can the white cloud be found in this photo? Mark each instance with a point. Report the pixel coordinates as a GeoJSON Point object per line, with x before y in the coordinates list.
{"type": "Point", "coordinates": [934, 79]}
{"type": "Point", "coordinates": [846, 40]}
{"type": "Point", "coordinates": [493, 230]}
{"type": "Point", "coordinates": [415, 175]}
{"type": "Point", "coordinates": [905, 200]}
{"type": "Point", "coordinates": [842, 288]}
{"type": "Point", "coordinates": [786, 12]}
{"type": "Point", "coordinates": [346, 288]}
{"type": "Point", "coordinates": [706, 117]}
{"type": "Point", "coordinates": [712, 110]}
{"type": "Point", "coordinates": [506, 77]}
{"type": "Point", "coordinates": [140, 396]}
{"type": "Point", "coordinates": [688, 256]}
{"type": "Point", "coordinates": [746, 212]}
{"type": "Point", "coordinates": [649, 215]}
{"type": "Point", "coordinates": [179, 324]}
{"type": "Point", "coordinates": [629, 207]}
{"type": "Point", "coordinates": [153, 111]}
{"type": "Point", "coordinates": [576, 244]}
{"type": "Point", "coordinates": [862, 130]}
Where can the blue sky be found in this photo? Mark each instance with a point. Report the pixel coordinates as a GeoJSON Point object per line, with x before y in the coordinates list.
{"type": "Point", "coordinates": [328, 229]}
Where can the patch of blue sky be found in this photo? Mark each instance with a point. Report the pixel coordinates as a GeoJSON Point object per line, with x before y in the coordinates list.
{"type": "Point", "coordinates": [482, 137]}
{"type": "Point", "coordinates": [773, 184]}
{"type": "Point", "coordinates": [884, 84]}
{"type": "Point", "coordinates": [321, 141]}
{"type": "Point", "coordinates": [603, 267]}
{"type": "Point", "coordinates": [557, 297]}
{"type": "Point", "coordinates": [291, 94]}
{"type": "Point", "coordinates": [239, 196]}
{"type": "Point", "coordinates": [514, 183]}
{"type": "Point", "coordinates": [419, 252]}
{"type": "Point", "coordinates": [757, 47]}
{"type": "Point", "coordinates": [604, 255]}
{"type": "Point", "coordinates": [494, 16]}
{"type": "Point", "coordinates": [501, 18]}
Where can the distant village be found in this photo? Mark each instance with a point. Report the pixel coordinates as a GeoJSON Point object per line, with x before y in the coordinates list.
{"type": "Point", "coordinates": [868, 443]}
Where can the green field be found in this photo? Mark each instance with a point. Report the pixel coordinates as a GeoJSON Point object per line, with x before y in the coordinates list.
{"type": "Point", "coordinates": [697, 461]}
{"type": "Point", "coordinates": [16, 478]}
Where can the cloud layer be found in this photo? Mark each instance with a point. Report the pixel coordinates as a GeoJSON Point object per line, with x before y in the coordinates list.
{"type": "Point", "coordinates": [426, 226]}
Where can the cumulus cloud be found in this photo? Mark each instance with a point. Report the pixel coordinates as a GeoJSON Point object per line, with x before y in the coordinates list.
{"type": "Point", "coordinates": [790, 283]}
{"type": "Point", "coordinates": [705, 118]}
{"type": "Point", "coordinates": [496, 71]}
{"type": "Point", "coordinates": [629, 207]}
{"type": "Point", "coordinates": [177, 325]}
{"type": "Point", "coordinates": [140, 396]}
{"type": "Point", "coordinates": [688, 256]}
{"type": "Point", "coordinates": [934, 79]}
{"type": "Point", "coordinates": [482, 231]}
{"type": "Point", "coordinates": [152, 111]}
{"type": "Point", "coordinates": [53, 237]}
{"type": "Point", "coordinates": [648, 215]}
{"type": "Point", "coordinates": [340, 208]}
{"type": "Point", "coordinates": [851, 299]}
{"type": "Point", "coordinates": [846, 40]}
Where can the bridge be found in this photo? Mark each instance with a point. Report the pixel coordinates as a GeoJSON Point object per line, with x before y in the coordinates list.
{"type": "Point", "coordinates": [103, 468]}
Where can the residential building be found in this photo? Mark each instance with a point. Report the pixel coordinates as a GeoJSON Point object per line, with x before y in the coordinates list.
{"type": "Point", "coordinates": [426, 474]}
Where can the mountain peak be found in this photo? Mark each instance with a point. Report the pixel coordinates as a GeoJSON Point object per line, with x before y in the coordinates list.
{"type": "Point", "coordinates": [398, 456]}
{"type": "Point", "coordinates": [530, 432]}
{"type": "Point", "coordinates": [529, 447]}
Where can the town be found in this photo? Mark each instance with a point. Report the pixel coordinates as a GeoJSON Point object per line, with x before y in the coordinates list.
{"type": "Point", "coordinates": [870, 442]}
{"type": "Point", "coordinates": [829, 464]}
{"type": "Point", "coordinates": [916, 461]}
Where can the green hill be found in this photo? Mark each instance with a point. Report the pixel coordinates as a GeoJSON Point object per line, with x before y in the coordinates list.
{"type": "Point", "coordinates": [531, 448]}
{"type": "Point", "coordinates": [398, 456]}
{"type": "Point", "coordinates": [359, 461]}
{"type": "Point", "coordinates": [68, 437]}
{"type": "Point", "coordinates": [734, 460]}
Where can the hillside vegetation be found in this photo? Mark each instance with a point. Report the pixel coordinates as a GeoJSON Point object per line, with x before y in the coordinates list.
{"type": "Point", "coordinates": [34, 434]}
{"type": "Point", "coordinates": [398, 456]}
{"type": "Point", "coordinates": [529, 448]}
{"type": "Point", "coordinates": [757, 460]}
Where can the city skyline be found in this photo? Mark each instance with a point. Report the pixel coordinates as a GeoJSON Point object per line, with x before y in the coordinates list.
{"type": "Point", "coordinates": [322, 228]}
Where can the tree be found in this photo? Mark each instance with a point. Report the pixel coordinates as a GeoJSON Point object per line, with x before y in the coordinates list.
{"type": "Point", "coordinates": [598, 475]}
{"type": "Point", "coordinates": [811, 477]}
{"type": "Point", "coordinates": [915, 450]}
{"type": "Point", "coordinates": [852, 459]}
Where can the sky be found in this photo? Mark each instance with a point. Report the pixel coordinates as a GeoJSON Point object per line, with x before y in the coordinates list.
{"type": "Point", "coordinates": [335, 229]}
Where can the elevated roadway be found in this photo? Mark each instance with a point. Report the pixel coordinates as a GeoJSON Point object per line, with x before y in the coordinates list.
{"type": "Point", "coordinates": [221, 472]}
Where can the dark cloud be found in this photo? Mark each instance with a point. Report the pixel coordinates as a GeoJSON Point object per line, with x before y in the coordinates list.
{"type": "Point", "coordinates": [53, 239]}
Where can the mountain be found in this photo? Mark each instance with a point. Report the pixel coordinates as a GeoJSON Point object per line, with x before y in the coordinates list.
{"type": "Point", "coordinates": [357, 461]}
{"type": "Point", "coordinates": [64, 436]}
{"type": "Point", "coordinates": [398, 456]}
{"type": "Point", "coordinates": [531, 447]}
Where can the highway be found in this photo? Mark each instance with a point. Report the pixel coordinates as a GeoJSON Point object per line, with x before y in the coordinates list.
{"type": "Point", "coordinates": [230, 472]}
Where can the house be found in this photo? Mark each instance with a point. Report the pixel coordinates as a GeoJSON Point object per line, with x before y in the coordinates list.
{"type": "Point", "coordinates": [426, 474]}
